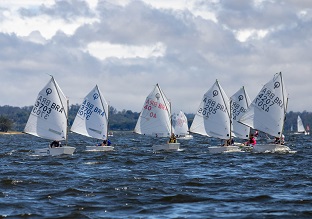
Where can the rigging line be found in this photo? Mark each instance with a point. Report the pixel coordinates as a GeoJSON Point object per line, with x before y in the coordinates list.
{"type": "Point", "coordinates": [106, 113]}
{"type": "Point", "coordinates": [285, 105]}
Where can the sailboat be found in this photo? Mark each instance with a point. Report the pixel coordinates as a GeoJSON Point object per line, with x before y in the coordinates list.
{"type": "Point", "coordinates": [239, 104]}
{"type": "Point", "coordinates": [92, 119]}
{"type": "Point", "coordinates": [155, 119]}
{"type": "Point", "coordinates": [308, 130]}
{"type": "Point", "coordinates": [267, 113]}
{"type": "Point", "coordinates": [48, 119]}
{"type": "Point", "coordinates": [213, 118]}
{"type": "Point", "coordinates": [300, 127]}
{"type": "Point", "coordinates": [180, 126]}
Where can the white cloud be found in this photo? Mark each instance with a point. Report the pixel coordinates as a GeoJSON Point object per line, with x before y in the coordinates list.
{"type": "Point", "coordinates": [47, 25]}
{"type": "Point", "coordinates": [244, 35]}
{"type": "Point", "coordinates": [103, 50]}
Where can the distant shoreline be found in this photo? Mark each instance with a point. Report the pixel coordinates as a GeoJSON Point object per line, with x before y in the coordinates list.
{"type": "Point", "coordinates": [11, 133]}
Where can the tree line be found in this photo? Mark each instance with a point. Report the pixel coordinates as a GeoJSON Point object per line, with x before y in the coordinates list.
{"type": "Point", "coordinates": [15, 118]}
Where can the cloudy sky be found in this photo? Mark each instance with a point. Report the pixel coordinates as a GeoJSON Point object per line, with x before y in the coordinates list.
{"type": "Point", "coordinates": [127, 46]}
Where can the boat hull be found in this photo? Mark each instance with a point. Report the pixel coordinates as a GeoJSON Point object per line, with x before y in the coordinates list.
{"type": "Point", "coordinates": [99, 148]}
{"type": "Point", "coordinates": [271, 148]}
{"type": "Point", "coordinates": [55, 151]}
{"type": "Point", "coordinates": [167, 147]}
{"type": "Point", "coordinates": [186, 137]}
{"type": "Point", "coordinates": [223, 149]}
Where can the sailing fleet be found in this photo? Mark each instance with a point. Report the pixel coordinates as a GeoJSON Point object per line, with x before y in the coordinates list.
{"type": "Point", "coordinates": [217, 116]}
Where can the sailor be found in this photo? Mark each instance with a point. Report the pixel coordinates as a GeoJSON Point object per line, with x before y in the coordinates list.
{"type": "Point", "coordinates": [173, 139]}
{"type": "Point", "coordinates": [252, 141]}
{"type": "Point", "coordinates": [108, 142]}
{"type": "Point", "coordinates": [104, 143]}
{"type": "Point", "coordinates": [55, 144]}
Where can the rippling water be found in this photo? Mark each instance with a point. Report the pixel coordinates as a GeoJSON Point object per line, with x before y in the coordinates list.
{"type": "Point", "coordinates": [134, 182]}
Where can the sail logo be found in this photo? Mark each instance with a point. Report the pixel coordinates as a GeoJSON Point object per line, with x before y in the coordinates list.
{"type": "Point", "coordinates": [240, 97]}
{"type": "Point", "coordinates": [48, 91]}
{"type": "Point", "coordinates": [277, 85]}
{"type": "Point", "coordinates": [95, 96]}
{"type": "Point", "coordinates": [215, 93]}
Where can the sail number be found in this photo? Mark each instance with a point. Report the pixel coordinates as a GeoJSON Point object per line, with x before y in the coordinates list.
{"type": "Point", "coordinates": [86, 109]}
{"type": "Point", "coordinates": [210, 107]}
{"type": "Point", "coordinates": [151, 114]}
{"type": "Point", "coordinates": [237, 109]}
{"type": "Point", "coordinates": [151, 104]}
{"type": "Point", "coordinates": [266, 98]}
{"type": "Point", "coordinates": [43, 107]}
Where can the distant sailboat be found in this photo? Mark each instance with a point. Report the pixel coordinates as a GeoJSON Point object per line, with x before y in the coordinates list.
{"type": "Point", "coordinates": [180, 126]}
{"type": "Point", "coordinates": [267, 113]}
{"type": "Point", "coordinates": [48, 119]}
{"type": "Point", "coordinates": [300, 126]}
{"type": "Point", "coordinates": [308, 130]}
{"type": "Point", "coordinates": [213, 118]}
{"type": "Point", "coordinates": [92, 119]}
{"type": "Point", "coordinates": [155, 119]}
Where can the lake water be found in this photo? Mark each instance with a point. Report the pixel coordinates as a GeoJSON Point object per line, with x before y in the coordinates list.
{"type": "Point", "coordinates": [134, 182]}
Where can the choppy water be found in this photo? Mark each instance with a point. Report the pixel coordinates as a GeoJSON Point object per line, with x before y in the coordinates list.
{"type": "Point", "coordinates": [133, 182]}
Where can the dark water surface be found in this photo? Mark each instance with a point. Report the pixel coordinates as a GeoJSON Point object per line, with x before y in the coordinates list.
{"type": "Point", "coordinates": [134, 182]}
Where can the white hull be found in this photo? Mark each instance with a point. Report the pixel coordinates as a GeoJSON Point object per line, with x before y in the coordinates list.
{"type": "Point", "coordinates": [55, 151]}
{"type": "Point", "coordinates": [99, 148]}
{"type": "Point", "coordinates": [271, 148]}
{"type": "Point", "coordinates": [301, 133]}
{"type": "Point", "coordinates": [223, 149]}
{"type": "Point", "coordinates": [167, 147]}
{"type": "Point", "coordinates": [186, 137]}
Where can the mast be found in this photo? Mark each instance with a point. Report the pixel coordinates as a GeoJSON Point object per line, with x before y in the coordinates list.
{"type": "Point", "coordinates": [167, 107]}
{"type": "Point", "coordinates": [66, 140]}
{"type": "Point", "coordinates": [231, 120]}
{"type": "Point", "coordinates": [170, 120]}
{"type": "Point", "coordinates": [227, 110]}
{"type": "Point", "coordinates": [107, 122]}
{"type": "Point", "coordinates": [245, 95]}
{"type": "Point", "coordinates": [65, 111]}
{"type": "Point", "coordinates": [285, 107]}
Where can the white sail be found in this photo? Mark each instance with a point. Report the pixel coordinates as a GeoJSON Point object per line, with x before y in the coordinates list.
{"type": "Point", "coordinates": [300, 126]}
{"type": "Point", "coordinates": [154, 118]}
{"type": "Point", "coordinates": [179, 124]}
{"type": "Point", "coordinates": [267, 111]}
{"type": "Point", "coordinates": [48, 117]}
{"type": "Point", "coordinates": [239, 104]}
{"type": "Point", "coordinates": [213, 115]}
{"type": "Point", "coordinates": [92, 117]}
